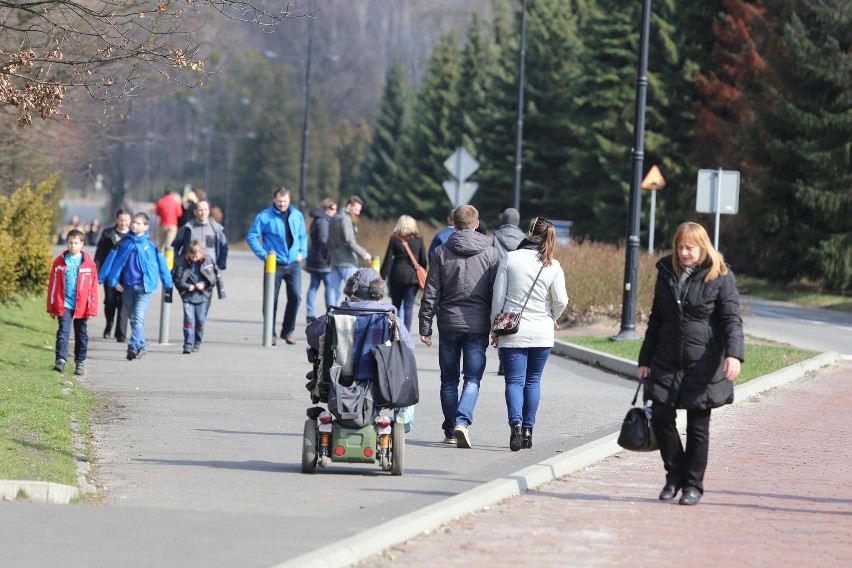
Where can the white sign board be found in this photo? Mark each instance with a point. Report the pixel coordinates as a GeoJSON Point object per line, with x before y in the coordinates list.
{"type": "Point", "coordinates": [460, 194]}
{"type": "Point", "coordinates": [461, 164]}
{"type": "Point", "coordinates": [728, 186]}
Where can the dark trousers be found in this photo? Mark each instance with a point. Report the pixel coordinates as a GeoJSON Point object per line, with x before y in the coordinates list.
{"type": "Point", "coordinates": [114, 311]}
{"type": "Point", "coordinates": [291, 274]}
{"type": "Point", "coordinates": [63, 337]}
{"type": "Point", "coordinates": [684, 468]}
{"type": "Point", "coordinates": [402, 296]}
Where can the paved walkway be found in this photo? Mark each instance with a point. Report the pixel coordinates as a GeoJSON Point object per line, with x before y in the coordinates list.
{"type": "Point", "coordinates": [778, 492]}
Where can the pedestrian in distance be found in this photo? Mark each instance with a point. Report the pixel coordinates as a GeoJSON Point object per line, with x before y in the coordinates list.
{"type": "Point", "coordinates": [72, 298]}
{"type": "Point", "coordinates": [398, 269]}
{"type": "Point", "coordinates": [169, 210]}
{"type": "Point", "coordinates": [319, 262]}
{"type": "Point", "coordinates": [691, 355]}
{"type": "Point", "coordinates": [114, 310]}
{"type": "Point", "coordinates": [458, 289]}
{"type": "Point", "coordinates": [506, 238]}
{"type": "Point", "coordinates": [281, 229]}
{"type": "Point", "coordinates": [93, 233]}
{"type": "Point", "coordinates": [209, 232]}
{"type": "Point", "coordinates": [532, 282]}
{"type": "Point", "coordinates": [442, 235]}
{"type": "Point", "coordinates": [194, 276]}
{"type": "Point", "coordinates": [343, 248]}
{"type": "Point", "coordinates": [133, 268]}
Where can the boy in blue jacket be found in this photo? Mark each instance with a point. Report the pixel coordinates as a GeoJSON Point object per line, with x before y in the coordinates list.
{"type": "Point", "coordinates": [132, 268]}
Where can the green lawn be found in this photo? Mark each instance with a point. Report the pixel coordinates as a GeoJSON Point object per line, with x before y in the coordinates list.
{"type": "Point", "coordinates": [762, 356]}
{"type": "Point", "coordinates": [37, 404]}
{"type": "Point", "coordinates": [803, 294]}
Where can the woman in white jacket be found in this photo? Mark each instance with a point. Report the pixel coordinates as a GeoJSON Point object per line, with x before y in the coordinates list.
{"type": "Point", "coordinates": [529, 270]}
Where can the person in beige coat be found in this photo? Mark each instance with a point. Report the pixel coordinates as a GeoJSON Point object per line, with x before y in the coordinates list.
{"type": "Point", "coordinates": [529, 275]}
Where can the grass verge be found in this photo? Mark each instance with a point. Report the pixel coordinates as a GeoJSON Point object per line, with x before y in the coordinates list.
{"type": "Point", "coordinates": [803, 294]}
{"type": "Point", "coordinates": [762, 356]}
{"type": "Point", "coordinates": [37, 404]}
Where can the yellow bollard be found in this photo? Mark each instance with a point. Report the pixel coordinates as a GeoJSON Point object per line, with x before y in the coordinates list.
{"type": "Point", "coordinates": [375, 263]}
{"type": "Point", "coordinates": [268, 300]}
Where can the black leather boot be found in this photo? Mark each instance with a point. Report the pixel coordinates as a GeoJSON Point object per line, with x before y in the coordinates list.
{"type": "Point", "coordinates": [515, 442]}
{"type": "Point", "coordinates": [526, 438]}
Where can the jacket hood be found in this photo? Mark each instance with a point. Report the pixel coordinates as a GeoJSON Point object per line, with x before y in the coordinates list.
{"type": "Point", "coordinates": [136, 239]}
{"type": "Point", "coordinates": [317, 212]}
{"type": "Point", "coordinates": [467, 242]}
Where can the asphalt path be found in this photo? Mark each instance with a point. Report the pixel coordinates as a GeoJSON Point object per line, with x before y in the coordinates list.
{"type": "Point", "coordinates": [198, 455]}
{"type": "Point", "coordinates": [810, 328]}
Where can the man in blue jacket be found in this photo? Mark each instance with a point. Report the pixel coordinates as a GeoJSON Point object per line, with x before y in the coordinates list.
{"type": "Point", "coordinates": [281, 229]}
{"type": "Point", "coordinates": [133, 269]}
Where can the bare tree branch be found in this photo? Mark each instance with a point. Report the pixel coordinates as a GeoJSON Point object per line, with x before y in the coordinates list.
{"type": "Point", "coordinates": [102, 46]}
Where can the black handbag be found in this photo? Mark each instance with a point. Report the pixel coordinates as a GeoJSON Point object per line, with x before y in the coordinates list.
{"type": "Point", "coordinates": [507, 323]}
{"type": "Point", "coordinates": [636, 432]}
{"type": "Point", "coordinates": [396, 378]}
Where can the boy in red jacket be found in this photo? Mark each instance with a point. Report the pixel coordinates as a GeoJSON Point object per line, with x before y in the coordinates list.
{"type": "Point", "coordinates": [72, 297]}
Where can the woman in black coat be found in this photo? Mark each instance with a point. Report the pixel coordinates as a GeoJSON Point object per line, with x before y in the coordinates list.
{"type": "Point", "coordinates": [691, 355]}
{"type": "Point", "coordinates": [398, 269]}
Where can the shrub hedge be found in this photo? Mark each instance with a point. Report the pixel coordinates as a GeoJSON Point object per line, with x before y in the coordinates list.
{"type": "Point", "coordinates": [26, 228]}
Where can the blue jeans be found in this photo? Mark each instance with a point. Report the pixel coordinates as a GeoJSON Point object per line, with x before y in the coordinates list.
{"type": "Point", "coordinates": [402, 296]}
{"type": "Point", "coordinates": [522, 368]}
{"type": "Point", "coordinates": [291, 274]}
{"type": "Point", "coordinates": [318, 278]}
{"type": "Point", "coordinates": [337, 277]}
{"type": "Point", "coordinates": [193, 323]}
{"type": "Point", "coordinates": [136, 301]}
{"type": "Point", "coordinates": [451, 346]}
{"type": "Point", "coordinates": [63, 336]}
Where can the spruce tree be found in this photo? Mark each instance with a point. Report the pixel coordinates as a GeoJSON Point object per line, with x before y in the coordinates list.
{"type": "Point", "coordinates": [806, 149]}
{"type": "Point", "coordinates": [382, 183]}
{"type": "Point", "coordinates": [433, 135]}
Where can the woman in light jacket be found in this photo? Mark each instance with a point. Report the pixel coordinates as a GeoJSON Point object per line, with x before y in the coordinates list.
{"type": "Point", "coordinates": [531, 269]}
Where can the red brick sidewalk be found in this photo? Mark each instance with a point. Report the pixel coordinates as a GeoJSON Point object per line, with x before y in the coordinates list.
{"type": "Point", "coordinates": [778, 492]}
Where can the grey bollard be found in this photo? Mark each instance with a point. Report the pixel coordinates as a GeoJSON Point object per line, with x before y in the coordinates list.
{"type": "Point", "coordinates": [166, 307]}
{"type": "Point", "coordinates": [268, 300]}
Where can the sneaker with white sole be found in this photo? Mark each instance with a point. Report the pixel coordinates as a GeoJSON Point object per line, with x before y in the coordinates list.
{"type": "Point", "coordinates": [450, 440]}
{"type": "Point", "coordinates": [462, 436]}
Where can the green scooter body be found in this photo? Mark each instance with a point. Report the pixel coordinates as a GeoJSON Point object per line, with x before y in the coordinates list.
{"type": "Point", "coordinates": [354, 441]}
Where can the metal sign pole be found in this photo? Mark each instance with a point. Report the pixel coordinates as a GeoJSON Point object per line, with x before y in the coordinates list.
{"type": "Point", "coordinates": [653, 214]}
{"type": "Point", "coordinates": [718, 206]}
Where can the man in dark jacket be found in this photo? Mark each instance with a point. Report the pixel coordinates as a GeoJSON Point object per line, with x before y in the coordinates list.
{"type": "Point", "coordinates": [114, 309]}
{"type": "Point", "coordinates": [460, 283]}
{"type": "Point", "coordinates": [205, 230]}
{"type": "Point", "coordinates": [318, 263]}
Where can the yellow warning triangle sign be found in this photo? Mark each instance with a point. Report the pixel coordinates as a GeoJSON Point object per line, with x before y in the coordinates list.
{"type": "Point", "coordinates": [654, 179]}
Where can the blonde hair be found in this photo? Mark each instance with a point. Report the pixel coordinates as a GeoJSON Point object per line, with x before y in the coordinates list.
{"type": "Point", "coordinates": [406, 227]}
{"type": "Point", "coordinates": [695, 234]}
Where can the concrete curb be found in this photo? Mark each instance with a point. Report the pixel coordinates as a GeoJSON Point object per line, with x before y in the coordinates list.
{"type": "Point", "coordinates": [351, 550]}
{"type": "Point", "coordinates": [38, 491]}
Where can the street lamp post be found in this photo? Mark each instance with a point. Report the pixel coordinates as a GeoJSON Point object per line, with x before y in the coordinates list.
{"type": "Point", "coordinates": [306, 132]}
{"type": "Point", "coordinates": [519, 131]}
{"type": "Point", "coordinates": [631, 263]}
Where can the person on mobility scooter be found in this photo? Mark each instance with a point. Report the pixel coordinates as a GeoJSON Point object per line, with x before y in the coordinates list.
{"type": "Point", "coordinates": [351, 350]}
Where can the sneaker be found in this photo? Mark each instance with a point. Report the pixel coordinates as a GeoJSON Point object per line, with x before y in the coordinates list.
{"type": "Point", "coordinates": [462, 436]}
{"type": "Point", "coordinates": [131, 354]}
{"type": "Point", "coordinates": [196, 347]}
{"type": "Point", "coordinates": [450, 440]}
{"type": "Point", "coordinates": [290, 339]}
{"type": "Point", "coordinates": [140, 353]}
{"type": "Point", "coordinates": [274, 341]}
{"type": "Point", "coordinates": [187, 350]}
{"type": "Point", "coordinates": [79, 370]}
{"type": "Point", "coordinates": [59, 366]}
